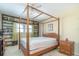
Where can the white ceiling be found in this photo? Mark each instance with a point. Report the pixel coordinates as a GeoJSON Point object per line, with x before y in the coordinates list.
{"type": "Point", "coordinates": [16, 9]}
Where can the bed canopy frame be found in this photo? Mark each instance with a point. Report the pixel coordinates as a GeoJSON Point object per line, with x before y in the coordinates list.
{"type": "Point", "coordinates": [28, 22]}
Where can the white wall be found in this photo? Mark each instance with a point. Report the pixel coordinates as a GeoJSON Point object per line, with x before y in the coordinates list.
{"type": "Point", "coordinates": [69, 26]}
{"type": "Point", "coordinates": [44, 26]}
{"type": "Point", "coordinates": [71, 29]}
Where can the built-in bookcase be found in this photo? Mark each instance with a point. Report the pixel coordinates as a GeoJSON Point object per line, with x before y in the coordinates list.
{"type": "Point", "coordinates": [7, 27]}
{"type": "Point", "coordinates": [35, 29]}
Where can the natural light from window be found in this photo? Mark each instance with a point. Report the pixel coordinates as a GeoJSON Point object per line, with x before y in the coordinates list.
{"type": "Point", "coordinates": [23, 28]}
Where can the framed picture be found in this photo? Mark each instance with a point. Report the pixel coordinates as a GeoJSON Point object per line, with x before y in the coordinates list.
{"type": "Point", "coordinates": [50, 27]}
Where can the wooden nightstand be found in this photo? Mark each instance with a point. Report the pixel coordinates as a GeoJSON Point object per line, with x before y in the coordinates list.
{"type": "Point", "coordinates": [66, 47]}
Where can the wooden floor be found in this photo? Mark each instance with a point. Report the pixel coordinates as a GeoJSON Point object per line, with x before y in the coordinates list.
{"type": "Point", "coordinates": [14, 51]}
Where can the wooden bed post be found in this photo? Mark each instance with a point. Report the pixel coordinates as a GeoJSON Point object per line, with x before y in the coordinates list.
{"type": "Point", "coordinates": [26, 50]}
{"type": "Point", "coordinates": [19, 32]}
{"type": "Point", "coordinates": [58, 30]}
{"type": "Point", "coordinates": [27, 33]}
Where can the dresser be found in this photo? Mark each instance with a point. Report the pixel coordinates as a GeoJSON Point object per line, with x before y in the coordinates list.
{"type": "Point", "coordinates": [66, 47]}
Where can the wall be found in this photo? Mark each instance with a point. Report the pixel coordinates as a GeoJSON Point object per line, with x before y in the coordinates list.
{"type": "Point", "coordinates": [69, 26]}
{"type": "Point", "coordinates": [44, 26]}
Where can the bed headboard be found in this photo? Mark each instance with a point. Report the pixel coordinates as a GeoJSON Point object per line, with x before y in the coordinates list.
{"type": "Point", "coordinates": [51, 35]}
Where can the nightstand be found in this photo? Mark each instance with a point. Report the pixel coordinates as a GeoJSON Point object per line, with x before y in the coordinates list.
{"type": "Point", "coordinates": [66, 47]}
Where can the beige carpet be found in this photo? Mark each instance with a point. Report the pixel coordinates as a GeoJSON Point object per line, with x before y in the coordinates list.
{"type": "Point", "coordinates": [14, 51]}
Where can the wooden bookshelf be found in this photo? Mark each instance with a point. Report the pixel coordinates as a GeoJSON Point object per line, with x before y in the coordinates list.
{"type": "Point", "coordinates": [35, 29]}
{"type": "Point", "coordinates": [7, 26]}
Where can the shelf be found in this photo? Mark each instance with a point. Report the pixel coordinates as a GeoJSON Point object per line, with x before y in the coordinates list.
{"type": "Point", "coordinates": [7, 34]}
{"type": "Point", "coordinates": [35, 29]}
{"type": "Point", "coordinates": [7, 22]}
{"type": "Point", "coordinates": [7, 27]}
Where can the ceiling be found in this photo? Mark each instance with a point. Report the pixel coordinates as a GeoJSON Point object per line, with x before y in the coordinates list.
{"type": "Point", "coordinates": [54, 9]}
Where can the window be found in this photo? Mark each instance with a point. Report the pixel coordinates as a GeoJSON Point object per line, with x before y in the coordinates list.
{"type": "Point", "coordinates": [30, 28]}
{"type": "Point", "coordinates": [23, 28]}
{"type": "Point", "coordinates": [50, 27]}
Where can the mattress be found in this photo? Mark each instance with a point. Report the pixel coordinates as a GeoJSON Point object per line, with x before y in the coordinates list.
{"type": "Point", "coordinates": [39, 42]}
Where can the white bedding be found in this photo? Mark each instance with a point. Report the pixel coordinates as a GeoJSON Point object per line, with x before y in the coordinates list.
{"type": "Point", "coordinates": [38, 42]}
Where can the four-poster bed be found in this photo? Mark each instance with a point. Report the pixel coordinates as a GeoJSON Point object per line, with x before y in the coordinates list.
{"type": "Point", "coordinates": [38, 45]}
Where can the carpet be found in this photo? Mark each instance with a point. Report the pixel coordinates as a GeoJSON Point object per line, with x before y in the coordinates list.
{"type": "Point", "coordinates": [14, 51]}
